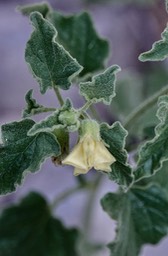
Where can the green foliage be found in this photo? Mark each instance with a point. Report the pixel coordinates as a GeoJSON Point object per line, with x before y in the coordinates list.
{"type": "Point", "coordinates": [43, 8]}
{"type": "Point", "coordinates": [115, 136]}
{"type": "Point", "coordinates": [50, 63]}
{"type": "Point", "coordinates": [54, 59]}
{"type": "Point", "coordinates": [154, 152]}
{"type": "Point", "coordinates": [77, 34]}
{"type": "Point", "coordinates": [159, 49]}
{"type": "Point", "coordinates": [141, 214]}
{"type": "Point", "coordinates": [20, 153]}
{"type": "Point", "coordinates": [32, 107]}
{"type": "Point", "coordinates": [65, 117]}
{"type": "Point", "coordinates": [29, 229]}
{"type": "Point", "coordinates": [102, 86]}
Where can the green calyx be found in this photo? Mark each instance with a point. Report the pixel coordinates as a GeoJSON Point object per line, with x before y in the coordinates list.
{"type": "Point", "coordinates": [90, 128]}
{"type": "Point", "coordinates": [69, 118]}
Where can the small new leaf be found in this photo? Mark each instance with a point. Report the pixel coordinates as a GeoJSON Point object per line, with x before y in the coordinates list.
{"type": "Point", "coordinates": [141, 214]}
{"type": "Point", "coordinates": [159, 49]}
{"type": "Point", "coordinates": [78, 35]}
{"type": "Point", "coordinates": [154, 152]}
{"type": "Point", "coordinates": [102, 86]}
{"type": "Point", "coordinates": [33, 107]}
{"type": "Point", "coordinates": [29, 229]}
{"type": "Point", "coordinates": [42, 8]}
{"type": "Point", "coordinates": [65, 117]}
{"type": "Point", "coordinates": [20, 153]}
{"type": "Point", "coordinates": [49, 62]}
{"type": "Point", "coordinates": [115, 136]}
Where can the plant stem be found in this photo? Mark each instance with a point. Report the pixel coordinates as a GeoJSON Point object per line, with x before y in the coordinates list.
{"type": "Point", "coordinates": [68, 193]}
{"type": "Point", "coordinates": [59, 97]}
{"type": "Point", "coordinates": [90, 206]}
{"type": "Point", "coordinates": [47, 110]}
{"type": "Point", "coordinates": [140, 110]}
{"type": "Point", "coordinates": [85, 106]}
{"type": "Point", "coordinates": [95, 113]}
{"type": "Point", "coordinates": [92, 109]}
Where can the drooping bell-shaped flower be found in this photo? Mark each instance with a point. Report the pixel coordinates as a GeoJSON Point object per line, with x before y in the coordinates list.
{"type": "Point", "coordinates": [90, 150]}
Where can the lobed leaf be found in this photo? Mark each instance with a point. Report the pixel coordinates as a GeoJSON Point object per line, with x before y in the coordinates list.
{"type": "Point", "coordinates": [154, 152]}
{"type": "Point", "coordinates": [32, 107]}
{"type": "Point", "coordinates": [159, 49]}
{"type": "Point", "coordinates": [79, 37]}
{"type": "Point", "coordinates": [49, 62]}
{"type": "Point", "coordinates": [114, 136]}
{"type": "Point", "coordinates": [65, 117]}
{"type": "Point", "coordinates": [29, 229]}
{"type": "Point", "coordinates": [141, 216]}
{"type": "Point", "coordinates": [102, 86]}
{"type": "Point", "coordinates": [20, 153]}
{"type": "Point", "coordinates": [43, 8]}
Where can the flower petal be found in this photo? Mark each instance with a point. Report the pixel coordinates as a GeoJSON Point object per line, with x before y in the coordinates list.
{"type": "Point", "coordinates": [76, 158]}
{"type": "Point", "coordinates": [78, 171]}
{"type": "Point", "coordinates": [103, 158]}
{"type": "Point", "coordinates": [88, 150]}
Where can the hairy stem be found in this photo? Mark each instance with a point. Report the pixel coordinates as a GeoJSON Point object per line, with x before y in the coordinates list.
{"type": "Point", "coordinates": [85, 106]}
{"type": "Point", "coordinates": [140, 110]}
{"type": "Point", "coordinates": [90, 206]}
{"type": "Point", "coordinates": [59, 97]}
{"type": "Point", "coordinates": [95, 113]}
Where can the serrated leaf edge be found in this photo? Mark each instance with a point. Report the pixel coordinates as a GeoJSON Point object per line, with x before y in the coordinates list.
{"type": "Point", "coordinates": [116, 69]}
{"type": "Point", "coordinates": [42, 90]}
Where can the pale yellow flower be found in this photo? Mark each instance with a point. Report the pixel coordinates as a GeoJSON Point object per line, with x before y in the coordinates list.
{"type": "Point", "coordinates": [90, 151]}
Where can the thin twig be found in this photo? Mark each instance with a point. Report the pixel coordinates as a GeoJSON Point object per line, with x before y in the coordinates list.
{"type": "Point", "coordinates": [140, 110]}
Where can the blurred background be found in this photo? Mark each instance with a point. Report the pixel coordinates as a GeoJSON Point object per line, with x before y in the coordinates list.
{"type": "Point", "coordinates": [131, 26]}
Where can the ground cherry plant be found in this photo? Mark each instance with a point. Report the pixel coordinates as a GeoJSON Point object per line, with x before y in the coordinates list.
{"type": "Point", "coordinates": [65, 51]}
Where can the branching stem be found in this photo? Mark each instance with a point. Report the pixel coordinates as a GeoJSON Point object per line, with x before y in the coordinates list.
{"type": "Point", "coordinates": [90, 206]}
{"type": "Point", "coordinates": [140, 110]}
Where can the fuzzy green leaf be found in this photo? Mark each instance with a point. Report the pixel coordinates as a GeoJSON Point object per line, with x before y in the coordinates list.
{"type": "Point", "coordinates": [102, 86]}
{"type": "Point", "coordinates": [154, 152]}
{"type": "Point", "coordinates": [20, 153]}
{"type": "Point", "coordinates": [33, 107]}
{"type": "Point", "coordinates": [115, 136]}
{"type": "Point", "coordinates": [50, 63]}
{"type": "Point", "coordinates": [29, 229]}
{"type": "Point", "coordinates": [42, 8]}
{"type": "Point", "coordinates": [159, 49]}
{"type": "Point", "coordinates": [65, 117]}
{"type": "Point", "coordinates": [78, 35]}
{"type": "Point", "coordinates": [142, 216]}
